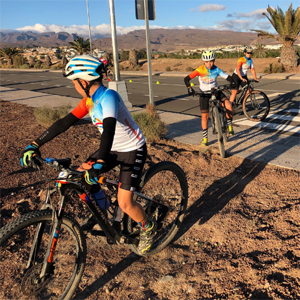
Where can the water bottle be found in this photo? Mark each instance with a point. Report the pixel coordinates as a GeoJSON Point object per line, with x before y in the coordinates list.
{"type": "Point", "coordinates": [101, 199]}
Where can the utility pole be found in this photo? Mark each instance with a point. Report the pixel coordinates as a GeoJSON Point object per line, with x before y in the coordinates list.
{"type": "Point", "coordinates": [117, 85]}
{"type": "Point", "coordinates": [87, 7]}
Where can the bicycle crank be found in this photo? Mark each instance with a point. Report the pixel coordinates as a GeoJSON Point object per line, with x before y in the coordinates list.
{"type": "Point", "coordinates": [32, 284]}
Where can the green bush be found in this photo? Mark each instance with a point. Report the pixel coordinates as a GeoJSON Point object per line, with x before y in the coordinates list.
{"type": "Point", "coordinates": [46, 116]}
{"type": "Point", "coordinates": [189, 69]}
{"type": "Point", "coordinates": [25, 66]}
{"type": "Point", "coordinates": [168, 69]}
{"type": "Point", "coordinates": [19, 60]}
{"type": "Point", "coordinates": [274, 68]}
{"type": "Point", "coordinates": [150, 123]}
{"type": "Point", "coordinates": [37, 65]}
{"type": "Point", "coordinates": [55, 67]}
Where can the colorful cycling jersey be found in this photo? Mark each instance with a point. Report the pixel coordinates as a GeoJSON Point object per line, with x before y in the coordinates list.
{"type": "Point", "coordinates": [107, 103]}
{"type": "Point", "coordinates": [244, 64]}
{"type": "Point", "coordinates": [208, 77]}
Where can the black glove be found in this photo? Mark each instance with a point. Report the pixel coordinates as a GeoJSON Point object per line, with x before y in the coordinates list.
{"type": "Point", "coordinates": [28, 152]}
{"type": "Point", "coordinates": [191, 91]}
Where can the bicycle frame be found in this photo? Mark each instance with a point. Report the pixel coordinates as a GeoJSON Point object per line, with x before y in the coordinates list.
{"type": "Point", "coordinates": [63, 183]}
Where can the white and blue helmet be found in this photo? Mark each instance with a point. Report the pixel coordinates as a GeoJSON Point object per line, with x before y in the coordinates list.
{"type": "Point", "coordinates": [84, 67]}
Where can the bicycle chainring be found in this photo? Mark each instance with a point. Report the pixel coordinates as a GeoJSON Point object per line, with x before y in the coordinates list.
{"type": "Point", "coordinates": [32, 284]}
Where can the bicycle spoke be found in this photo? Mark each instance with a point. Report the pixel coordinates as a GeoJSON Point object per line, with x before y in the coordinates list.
{"type": "Point", "coordinates": [256, 106]}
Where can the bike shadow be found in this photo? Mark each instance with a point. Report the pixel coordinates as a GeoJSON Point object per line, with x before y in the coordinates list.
{"type": "Point", "coordinates": [221, 191]}
{"type": "Point", "coordinates": [108, 276]}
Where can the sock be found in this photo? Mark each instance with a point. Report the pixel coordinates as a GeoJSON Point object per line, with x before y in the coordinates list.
{"type": "Point", "coordinates": [146, 224]}
{"type": "Point", "coordinates": [205, 133]}
{"type": "Point", "coordinates": [229, 122]}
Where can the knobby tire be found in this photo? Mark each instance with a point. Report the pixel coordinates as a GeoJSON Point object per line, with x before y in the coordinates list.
{"type": "Point", "coordinates": [256, 106]}
{"type": "Point", "coordinates": [166, 183]}
{"type": "Point", "coordinates": [15, 245]}
{"type": "Point", "coordinates": [218, 123]}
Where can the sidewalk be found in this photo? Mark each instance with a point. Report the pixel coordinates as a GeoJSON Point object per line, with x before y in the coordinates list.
{"type": "Point", "coordinates": [252, 143]}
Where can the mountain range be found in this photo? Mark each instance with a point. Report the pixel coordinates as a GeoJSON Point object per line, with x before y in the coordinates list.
{"type": "Point", "coordinates": [163, 40]}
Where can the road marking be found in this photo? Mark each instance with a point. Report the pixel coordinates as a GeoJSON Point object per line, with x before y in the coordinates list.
{"type": "Point", "coordinates": [274, 94]}
{"type": "Point", "coordinates": [274, 126]}
{"type": "Point", "coordinates": [179, 98]}
{"type": "Point", "coordinates": [292, 110]}
{"type": "Point", "coordinates": [283, 117]}
{"type": "Point", "coordinates": [153, 96]}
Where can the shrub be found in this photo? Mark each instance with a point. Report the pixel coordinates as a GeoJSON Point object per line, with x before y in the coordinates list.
{"type": "Point", "coordinates": [46, 116]}
{"type": "Point", "coordinates": [274, 68]}
{"type": "Point", "coordinates": [25, 66]}
{"type": "Point", "coordinates": [189, 69]}
{"type": "Point", "coordinates": [37, 65]}
{"type": "Point", "coordinates": [19, 60]}
{"type": "Point", "coordinates": [168, 69]}
{"type": "Point", "coordinates": [56, 67]}
{"type": "Point", "coordinates": [150, 123]}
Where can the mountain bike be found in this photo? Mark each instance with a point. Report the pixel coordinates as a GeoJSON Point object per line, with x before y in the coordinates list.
{"type": "Point", "coordinates": [43, 252]}
{"type": "Point", "coordinates": [217, 113]}
{"type": "Point", "coordinates": [256, 104]}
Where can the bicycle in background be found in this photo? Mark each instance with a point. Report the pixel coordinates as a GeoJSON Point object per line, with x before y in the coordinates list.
{"type": "Point", "coordinates": [255, 104]}
{"type": "Point", "coordinates": [43, 252]}
{"type": "Point", "coordinates": [217, 114]}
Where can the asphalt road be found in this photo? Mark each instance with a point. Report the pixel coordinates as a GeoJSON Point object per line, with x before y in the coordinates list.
{"type": "Point", "coordinates": [170, 93]}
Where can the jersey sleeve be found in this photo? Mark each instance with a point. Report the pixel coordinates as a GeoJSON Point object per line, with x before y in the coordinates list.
{"type": "Point", "coordinates": [110, 104]}
{"type": "Point", "coordinates": [194, 74]}
{"type": "Point", "coordinates": [222, 73]}
{"type": "Point", "coordinates": [81, 109]}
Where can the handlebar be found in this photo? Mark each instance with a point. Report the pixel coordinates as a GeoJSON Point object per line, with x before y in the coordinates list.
{"type": "Point", "coordinates": [213, 90]}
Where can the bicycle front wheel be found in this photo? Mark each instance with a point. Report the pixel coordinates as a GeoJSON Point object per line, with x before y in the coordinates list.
{"type": "Point", "coordinates": [218, 123]}
{"type": "Point", "coordinates": [256, 106]}
{"type": "Point", "coordinates": [165, 183]}
{"type": "Point", "coordinates": [16, 241]}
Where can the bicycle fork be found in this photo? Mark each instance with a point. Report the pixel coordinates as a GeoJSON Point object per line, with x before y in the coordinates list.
{"type": "Point", "coordinates": [57, 216]}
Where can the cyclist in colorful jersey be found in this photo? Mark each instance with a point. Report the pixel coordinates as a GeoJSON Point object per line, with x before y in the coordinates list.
{"type": "Point", "coordinates": [122, 141]}
{"type": "Point", "coordinates": [208, 74]}
{"type": "Point", "coordinates": [239, 75]}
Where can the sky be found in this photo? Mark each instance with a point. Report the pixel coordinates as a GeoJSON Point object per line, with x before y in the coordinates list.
{"type": "Point", "coordinates": [71, 15]}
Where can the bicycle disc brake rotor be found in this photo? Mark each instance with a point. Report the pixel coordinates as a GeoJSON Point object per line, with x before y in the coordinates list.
{"type": "Point", "coordinates": [32, 284]}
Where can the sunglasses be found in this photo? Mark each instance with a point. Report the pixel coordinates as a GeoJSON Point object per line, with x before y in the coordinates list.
{"type": "Point", "coordinates": [249, 52]}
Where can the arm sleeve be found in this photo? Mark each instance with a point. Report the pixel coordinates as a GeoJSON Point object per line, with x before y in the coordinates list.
{"type": "Point", "coordinates": [57, 128]}
{"type": "Point", "coordinates": [81, 109]}
{"type": "Point", "coordinates": [107, 137]}
{"type": "Point", "coordinates": [223, 74]}
{"type": "Point", "coordinates": [187, 80]}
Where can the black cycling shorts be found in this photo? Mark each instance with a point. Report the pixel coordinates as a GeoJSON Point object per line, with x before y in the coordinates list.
{"type": "Point", "coordinates": [237, 82]}
{"type": "Point", "coordinates": [204, 101]}
{"type": "Point", "coordinates": [131, 166]}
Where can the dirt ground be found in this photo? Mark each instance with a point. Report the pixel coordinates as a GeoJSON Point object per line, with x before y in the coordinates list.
{"type": "Point", "coordinates": [181, 65]}
{"type": "Point", "coordinates": [239, 240]}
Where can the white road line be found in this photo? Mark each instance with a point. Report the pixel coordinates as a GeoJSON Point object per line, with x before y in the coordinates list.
{"type": "Point", "coordinates": [178, 98]}
{"type": "Point", "coordinates": [274, 95]}
{"type": "Point", "coordinates": [283, 117]}
{"type": "Point", "coordinates": [273, 126]}
{"type": "Point", "coordinates": [292, 110]}
{"type": "Point", "coordinates": [153, 96]}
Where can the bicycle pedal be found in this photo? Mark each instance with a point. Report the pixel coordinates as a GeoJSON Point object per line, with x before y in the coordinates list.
{"type": "Point", "coordinates": [97, 233]}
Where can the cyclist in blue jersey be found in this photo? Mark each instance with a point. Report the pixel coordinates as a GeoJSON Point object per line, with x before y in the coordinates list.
{"type": "Point", "coordinates": [208, 74]}
{"type": "Point", "coordinates": [122, 141]}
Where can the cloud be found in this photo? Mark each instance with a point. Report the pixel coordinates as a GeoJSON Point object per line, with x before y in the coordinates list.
{"type": "Point", "coordinates": [255, 14]}
{"type": "Point", "coordinates": [241, 25]}
{"type": "Point", "coordinates": [211, 7]}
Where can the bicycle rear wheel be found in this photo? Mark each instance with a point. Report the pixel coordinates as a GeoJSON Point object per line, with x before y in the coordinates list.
{"type": "Point", "coordinates": [256, 106]}
{"type": "Point", "coordinates": [166, 184]}
{"type": "Point", "coordinates": [16, 240]}
{"type": "Point", "coordinates": [218, 123]}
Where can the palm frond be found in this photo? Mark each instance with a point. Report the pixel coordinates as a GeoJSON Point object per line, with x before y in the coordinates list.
{"type": "Point", "coordinates": [296, 22]}
{"type": "Point", "coordinates": [288, 20]}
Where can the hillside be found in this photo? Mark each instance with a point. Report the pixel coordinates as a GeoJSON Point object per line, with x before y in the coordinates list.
{"type": "Point", "coordinates": [164, 40]}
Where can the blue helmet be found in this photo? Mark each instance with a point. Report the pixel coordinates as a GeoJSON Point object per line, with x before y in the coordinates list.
{"type": "Point", "coordinates": [84, 67]}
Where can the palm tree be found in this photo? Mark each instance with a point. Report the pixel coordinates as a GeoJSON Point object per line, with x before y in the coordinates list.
{"type": "Point", "coordinates": [260, 50]}
{"type": "Point", "coordinates": [8, 53]}
{"type": "Point", "coordinates": [288, 27]}
{"type": "Point", "coordinates": [80, 45]}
